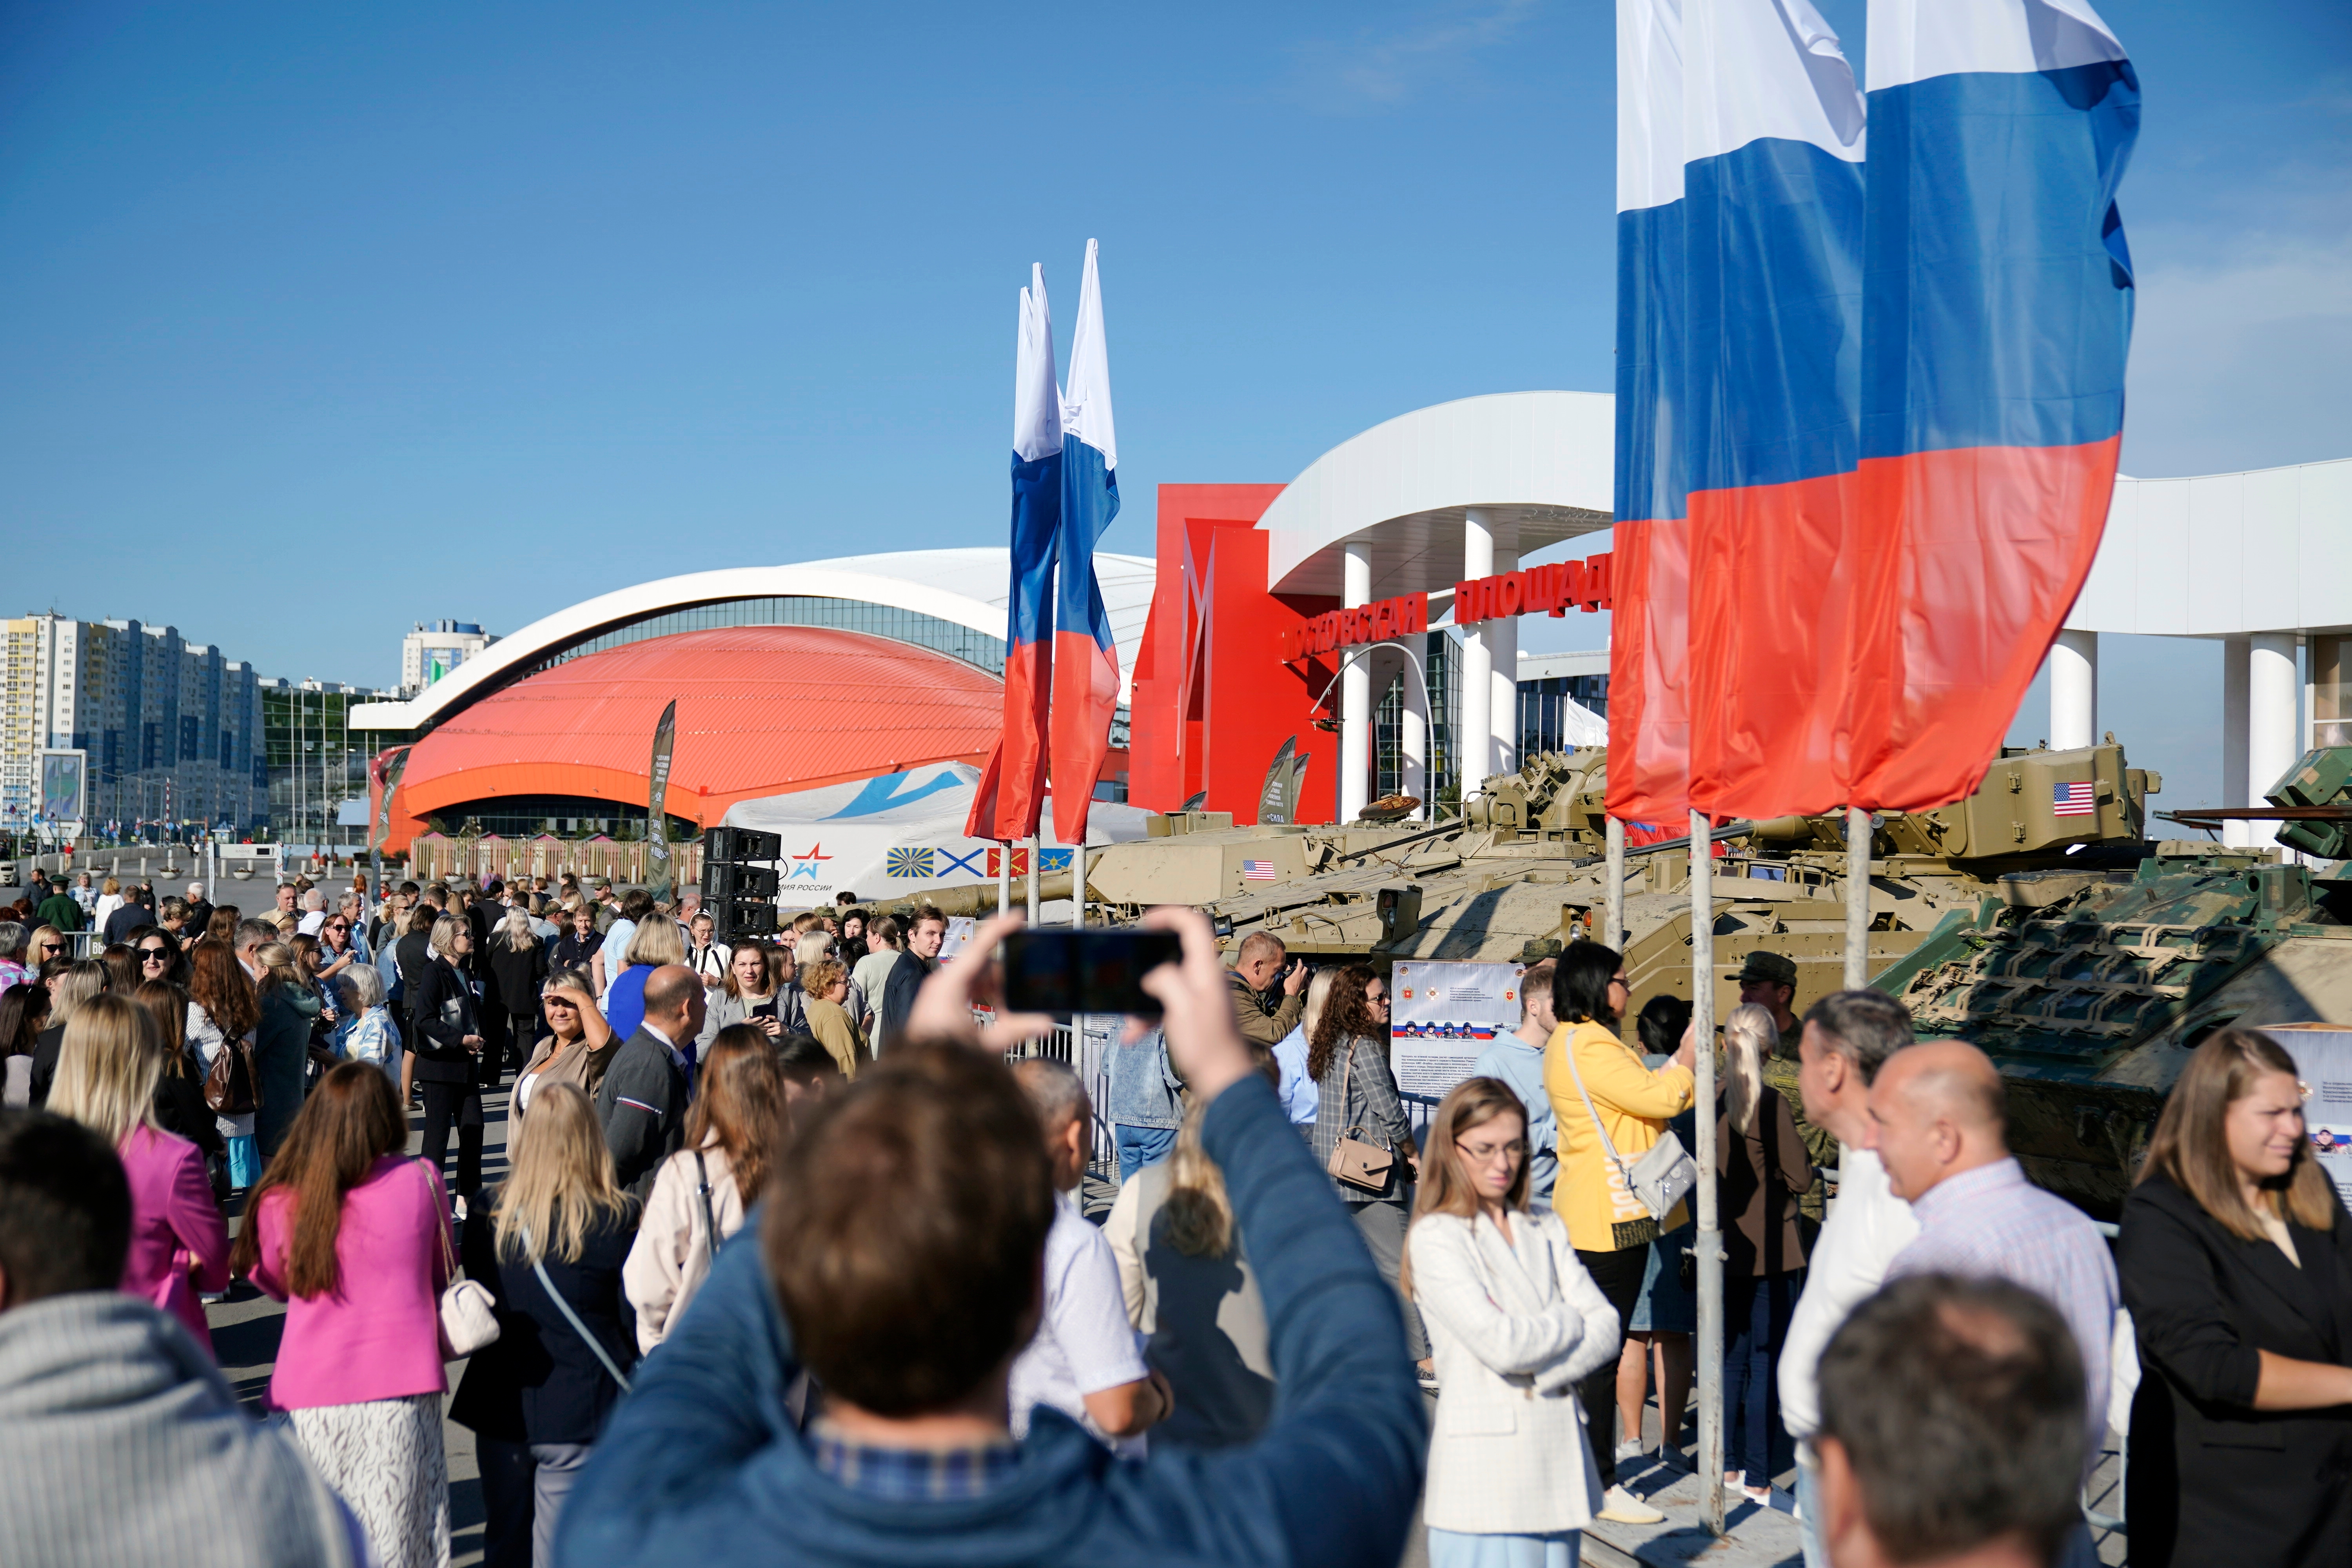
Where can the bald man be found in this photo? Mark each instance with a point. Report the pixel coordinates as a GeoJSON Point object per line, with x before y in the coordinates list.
{"type": "Point", "coordinates": [642, 1101]}
{"type": "Point", "coordinates": [1939, 1118]}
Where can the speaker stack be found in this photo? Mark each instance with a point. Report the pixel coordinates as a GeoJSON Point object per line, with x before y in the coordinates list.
{"type": "Point", "coordinates": [739, 881]}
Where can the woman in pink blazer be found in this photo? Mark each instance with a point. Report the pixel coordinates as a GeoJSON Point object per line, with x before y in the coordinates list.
{"type": "Point", "coordinates": [108, 1068]}
{"type": "Point", "coordinates": [354, 1238]}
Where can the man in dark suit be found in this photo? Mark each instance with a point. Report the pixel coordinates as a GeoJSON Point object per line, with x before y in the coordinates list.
{"type": "Point", "coordinates": [925, 932]}
{"type": "Point", "coordinates": [642, 1101]}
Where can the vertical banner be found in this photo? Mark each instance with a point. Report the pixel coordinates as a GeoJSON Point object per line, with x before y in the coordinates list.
{"type": "Point", "coordinates": [388, 769]}
{"type": "Point", "coordinates": [2322, 1059]}
{"type": "Point", "coordinates": [659, 878]}
{"type": "Point", "coordinates": [1442, 1016]}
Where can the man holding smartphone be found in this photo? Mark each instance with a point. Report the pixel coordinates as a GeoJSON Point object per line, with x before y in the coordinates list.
{"type": "Point", "coordinates": [1262, 1014]}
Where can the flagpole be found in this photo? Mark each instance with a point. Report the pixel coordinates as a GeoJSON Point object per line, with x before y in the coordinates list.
{"type": "Point", "coordinates": [1857, 898]}
{"type": "Point", "coordinates": [1036, 844]}
{"type": "Point", "coordinates": [1709, 1245]}
{"type": "Point", "coordinates": [1079, 886]}
{"type": "Point", "coordinates": [1004, 876]}
{"type": "Point", "coordinates": [1615, 901]}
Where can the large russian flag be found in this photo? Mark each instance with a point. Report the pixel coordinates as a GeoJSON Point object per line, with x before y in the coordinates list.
{"type": "Point", "coordinates": [1086, 659]}
{"type": "Point", "coordinates": [1011, 795]}
{"type": "Point", "coordinates": [1997, 316]}
{"type": "Point", "coordinates": [1772, 235]}
{"type": "Point", "coordinates": [1649, 696]}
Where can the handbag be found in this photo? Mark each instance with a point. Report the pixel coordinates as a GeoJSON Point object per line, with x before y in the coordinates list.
{"type": "Point", "coordinates": [470, 1318]}
{"type": "Point", "coordinates": [539, 1268]}
{"type": "Point", "coordinates": [231, 1088]}
{"type": "Point", "coordinates": [1365, 1166]}
{"type": "Point", "coordinates": [1659, 1179]}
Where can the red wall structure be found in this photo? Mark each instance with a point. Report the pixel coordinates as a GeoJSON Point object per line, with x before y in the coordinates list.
{"type": "Point", "coordinates": [1213, 699]}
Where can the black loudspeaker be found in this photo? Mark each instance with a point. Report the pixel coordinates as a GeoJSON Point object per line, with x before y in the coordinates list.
{"type": "Point", "coordinates": [741, 844]}
{"type": "Point", "coordinates": [734, 918]}
{"type": "Point", "coordinates": [739, 896]}
{"type": "Point", "coordinates": [731, 879]}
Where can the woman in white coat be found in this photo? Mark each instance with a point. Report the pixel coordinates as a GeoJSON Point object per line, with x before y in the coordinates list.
{"type": "Point", "coordinates": [1515, 1322]}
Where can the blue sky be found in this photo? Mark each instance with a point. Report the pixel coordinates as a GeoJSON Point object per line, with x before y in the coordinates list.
{"type": "Point", "coordinates": [322, 320]}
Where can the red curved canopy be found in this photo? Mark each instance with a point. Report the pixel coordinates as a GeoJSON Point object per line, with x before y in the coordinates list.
{"type": "Point", "coordinates": [761, 710]}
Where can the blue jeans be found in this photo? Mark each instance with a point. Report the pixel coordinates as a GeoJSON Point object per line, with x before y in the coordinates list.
{"type": "Point", "coordinates": [1141, 1146]}
{"type": "Point", "coordinates": [1809, 1517]}
{"type": "Point", "coordinates": [1756, 1317]}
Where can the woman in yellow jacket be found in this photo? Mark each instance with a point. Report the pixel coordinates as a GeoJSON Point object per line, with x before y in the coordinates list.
{"type": "Point", "coordinates": [1607, 1224]}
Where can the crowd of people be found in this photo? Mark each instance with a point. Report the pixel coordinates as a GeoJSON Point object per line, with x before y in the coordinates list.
{"type": "Point", "coordinates": [790, 1259]}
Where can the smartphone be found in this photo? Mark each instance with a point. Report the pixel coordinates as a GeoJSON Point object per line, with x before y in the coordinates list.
{"type": "Point", "coordinates": [1068, 972]}
{"type": "Point", "coordinates": [764, 1009]}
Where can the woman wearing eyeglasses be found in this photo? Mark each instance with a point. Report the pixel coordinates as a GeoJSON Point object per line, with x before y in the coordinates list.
{"type": "Point", "coordinates": [1599, 1085]}
{"type": "Point", "coordinates": [1515, 1322]}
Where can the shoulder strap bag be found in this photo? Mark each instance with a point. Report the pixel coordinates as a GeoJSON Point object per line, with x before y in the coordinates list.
{"type": "Point", "coordinates": [1659, 1179]}
{"type": "Point", "coordinates": [1365, 1166]}
{"type": "Point", "coordinates": [539, 1267]}
{"type": "Point", "coordinates": [470, 1318]}
{"type": "Point", "coordinates": [702, 1191]}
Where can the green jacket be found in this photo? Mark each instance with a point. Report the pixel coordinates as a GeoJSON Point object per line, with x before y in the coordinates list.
{"type": "Point", "coordinates": [59, 910]}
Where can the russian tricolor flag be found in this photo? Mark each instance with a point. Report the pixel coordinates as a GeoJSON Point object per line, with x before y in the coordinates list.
{"type": "Point", "coordinates": [1085, 660]}
{"type": "Point", "coordinates": [1997, 318]}
{"type": "Point", "coordinates": [1739, 327]}
{"type": "Point", "coordinates": [1649, 696]}
{"type": "Point", "coordinates": [1868, 407]}
{"type": "Point", "coordinates": [1012, 791]}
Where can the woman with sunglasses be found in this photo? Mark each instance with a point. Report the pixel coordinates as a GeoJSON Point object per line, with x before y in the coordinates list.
{"type": "Point", "coordinates": [159, 958]}
{"type": "Point", "coordinates": [337, 952]}
{"type": "Point", "coordinates": [577, 1046]}
{"type": "Point", "coordinates": [1516, 1323]}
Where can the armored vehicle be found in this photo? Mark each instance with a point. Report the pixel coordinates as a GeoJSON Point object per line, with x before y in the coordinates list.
{"type": "Point", "coordinates": [2036, 917]}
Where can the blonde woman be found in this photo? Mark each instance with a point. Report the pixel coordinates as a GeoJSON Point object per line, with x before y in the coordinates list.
{"type": "Point", "coordinates": [1516, 1323]}
{"type": "Point", "coordinates": [575, 1049]}
{"type": "Point", "coordinates": [1300, 1095]}
{"type": "Point", "coordinates": [106, 1077]}
{"type": "Point", "coordinates": [109, 899]}
{"type": "Point", "coordinates": [657, 941]}
{"type": "Point", "coordinates": [70, 990]}
{"type": "Point", "coordinates": [552, 1255]}
{"type": "Point", "coordinates": [825, 986]}
{"type": "Point", "coordinates": [1765, 1171]}
{"type": "Point", "coordinates": [699, 1196]}
{"type": "Point", "coordinates": [1191, 1290]}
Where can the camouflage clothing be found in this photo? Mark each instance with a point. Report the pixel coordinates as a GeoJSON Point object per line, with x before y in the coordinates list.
{"type": "Point", "coordinates": [1780, 1073]}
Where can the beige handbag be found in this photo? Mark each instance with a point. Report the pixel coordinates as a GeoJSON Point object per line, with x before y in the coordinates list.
{"type": "Point", "coordinates": [1362, 1165]}
{"type": "Point", "coordinates": [468, 1313]}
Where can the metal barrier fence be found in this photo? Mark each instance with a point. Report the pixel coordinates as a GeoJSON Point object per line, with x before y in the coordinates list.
{"type": "Point", "coordinates": [1088, 1051]}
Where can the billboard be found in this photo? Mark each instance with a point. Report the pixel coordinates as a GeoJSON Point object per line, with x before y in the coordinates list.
{"type": "Point", "coordinates": [1442, 1016]}
{"type": "Point", "coordinates": [65, 786]}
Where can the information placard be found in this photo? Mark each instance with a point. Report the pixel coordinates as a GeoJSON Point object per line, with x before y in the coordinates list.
{"type": "Point", "coordinates": [1442, 1016]}
{"type": "Point", "coordinates": [2323, 1058]}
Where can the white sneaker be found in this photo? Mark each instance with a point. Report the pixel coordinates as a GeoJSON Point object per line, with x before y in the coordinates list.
{"type": "Point", "coordinates": [1623, 1507]}
{"type": "Point", "coordinates": [461, 1206]}
{"type": "Point", "coordinates": [1629, 1449]}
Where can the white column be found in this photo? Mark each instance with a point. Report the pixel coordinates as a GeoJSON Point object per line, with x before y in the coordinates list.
{"type": "Point", "coordinates": [2235, 654]}
{"type": "Point", "coordinates": [1475, 746]}
{"type": "Point", "coordinates": [1412, 742]}
{"type": "Point", "coordinates": [2074, 691]}
{"type": "Point", "coordinates": [1503, 644]}
{"type": "Point", "coordinates": [2271, 732]}
{"type": "Point", "coordinates": [1355, 691]}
